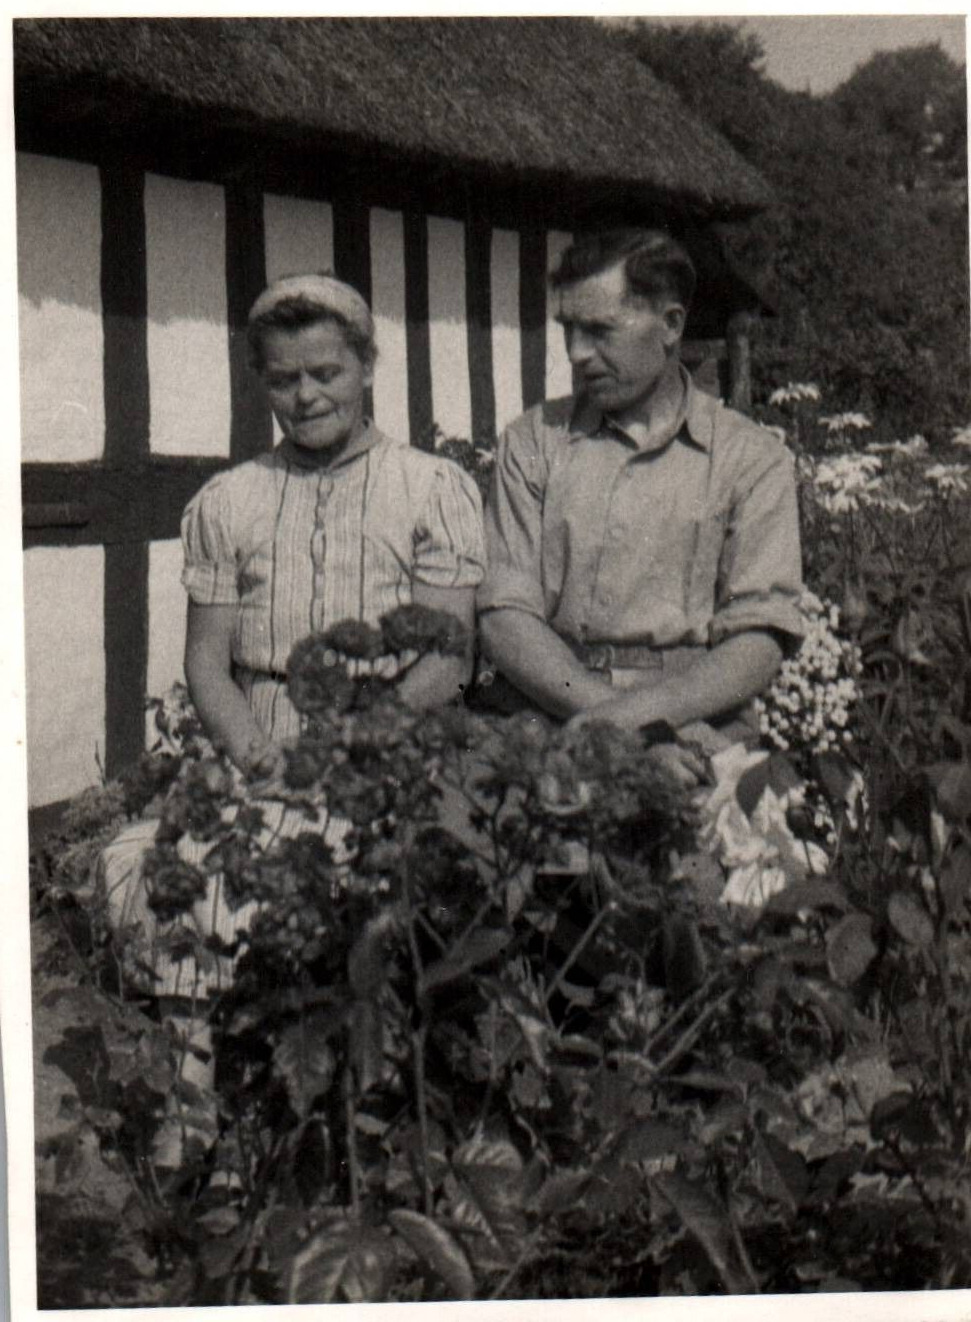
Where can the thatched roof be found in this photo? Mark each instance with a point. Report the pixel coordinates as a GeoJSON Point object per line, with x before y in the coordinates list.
{"type": "Point", "coordinates": [556, 100]}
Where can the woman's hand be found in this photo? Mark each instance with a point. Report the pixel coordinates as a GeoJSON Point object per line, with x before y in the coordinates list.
{"type": "Point", "coordinates": [222, 708]}
{"type": "Point", "coordinates": [435, 679]}
{"type": "Point", "coordinates": [265, 761]}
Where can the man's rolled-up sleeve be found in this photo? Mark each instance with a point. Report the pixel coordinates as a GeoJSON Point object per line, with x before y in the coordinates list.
{"type": "Point", "coordinates": [760, 570]}
{"type": "Point", "coordinates": [514, 525]}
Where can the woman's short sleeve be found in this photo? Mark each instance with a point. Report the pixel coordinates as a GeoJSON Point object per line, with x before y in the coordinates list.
{"type": "Point", "coordinates": [208, 546]}
{"type": "Point", "coordinates": [449, 547]}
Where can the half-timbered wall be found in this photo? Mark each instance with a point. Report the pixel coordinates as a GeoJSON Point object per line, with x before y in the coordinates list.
{"type": "Point", "coordinates": [134, 288]}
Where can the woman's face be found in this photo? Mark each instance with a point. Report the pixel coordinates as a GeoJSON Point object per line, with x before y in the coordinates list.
{"type": "Point", "coordinates": [316, 384]}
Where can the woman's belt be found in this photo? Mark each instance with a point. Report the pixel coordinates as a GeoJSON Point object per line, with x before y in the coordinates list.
{"type": "Point", "coordinates": [278, 676]}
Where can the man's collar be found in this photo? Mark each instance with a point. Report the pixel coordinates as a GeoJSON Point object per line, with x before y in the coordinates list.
{"type": "Point", "coordinates": [694, 423]}
{"type": "Point", "coordinates": [366, 439]}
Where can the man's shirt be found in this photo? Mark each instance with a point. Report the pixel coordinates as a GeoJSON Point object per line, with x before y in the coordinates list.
{"type": "Point", "coordinates": [685, 542]}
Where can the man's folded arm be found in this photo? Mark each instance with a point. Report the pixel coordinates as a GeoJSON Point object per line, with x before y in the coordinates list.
{"type": "Point", "coordinates": [515, 636]}
{"type": "Point", "coordinates": [726, 677]}
{"type": "Point", "coordinates": [540, 664]}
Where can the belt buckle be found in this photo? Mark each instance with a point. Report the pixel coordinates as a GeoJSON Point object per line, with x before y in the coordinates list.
{"type": "Point", "coordinates": [601, 657]}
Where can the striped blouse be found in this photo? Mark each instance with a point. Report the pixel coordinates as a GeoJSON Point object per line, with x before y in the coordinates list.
{"type": "Point", "coordinates": [297, 548]}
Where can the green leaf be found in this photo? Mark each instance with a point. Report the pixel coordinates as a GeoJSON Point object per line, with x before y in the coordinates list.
{"type": "Point", "coordinates": [572, 1049]}
{"type": "Point", "coordinates": [83, 1056]}
{"type": "Point", "coordinates": [909, 1117]}
{"type": "Point", "coordinates": [728, 1116]}
{"type": "Point", "coordinates": [849, 948]}
{"type": "Point", "coordinates": [433, 1245]}
{"type": "Point", "coordinates": [775, 772]}
{"type": "Point", "coordinates": [217, 1257]}
{"type": "Point", "coordinates": [835, 774]}
{"type": "Point", "coordinates": [909, 919]}
{"type": "Point", "coordinates": [954, 884]}
{"type": "Point", "coordinates": [957, 730]}
{"type": "Point", "coordinates": [406, 1161]}
{"type": "Point", "coordinates": [704, 1217]}
{"type": "Point", "coordinates": [651, 1140]}
{"type": "Point", "coordinates": [367, 963]}
{"type": "Point", "coordinates": [705, 1081]}
{"type": "Point", "coordinates": [219, 1220]}
{"type": "Point", "coordinates": [952, 784]}
{"type": "Point", "coordinates": [811, 894]}
{"type": "Point", "coordinates": [75, 1153]}
{"type": "Point", "coordinates": [485, 1193]}
{"type": "Point", "coordinates": [560, 1192]}
{"type": "Point", "coordinates": [479, 947]}
{"type": "Point", "coordinates": [704, 874]}
{"type": "Point", "coordinates": [782, 1172]}
{"type": "Point", "coordinates": [685, 961]}
{"type": "Point", "coordinates": [613, 1190]}
{"type": "Point", "coordinates": [304, 1060]}
{"type": "Point", "coordinates": [366, 1043]}
{"type": "Point", "coordinates": [343, 1261]}
{"type": "Point", "coordinates": [284, 1234]}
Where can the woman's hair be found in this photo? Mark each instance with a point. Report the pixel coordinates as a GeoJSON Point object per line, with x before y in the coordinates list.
{"type": "Point", "coordinates": [294, 311]}
{"type": "Point", "coordinates": [656, 265]}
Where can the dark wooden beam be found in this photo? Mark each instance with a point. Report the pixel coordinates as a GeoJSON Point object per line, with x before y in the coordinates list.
{"type": "Point", "coordinates": [124, 300]}
{"type": "Point", "coordinates": [110, 504]}
{"type": "Point", "coordinates": [126, 653]}
{"type": "Point", "coordinates": [418, 342]}
{"type": "Point", "coordinates": [251, 429]}
{"type": "Point", "coordinates": [478, 304]}
{"type": "Point", "coordinates": [532, 314]}
{"type": "Point", "coordinates": [352, 254]}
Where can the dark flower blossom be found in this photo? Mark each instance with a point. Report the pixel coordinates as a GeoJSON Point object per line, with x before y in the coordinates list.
{"type": "Point", "coordinates": [317, 678]}
{"type": "Point", "coordinates": [193, 804]}
{"type": "Point", "coordinates": [420, 629]}
{"type": "Point", "coordinates": [173, 885]}
{"type": "Point", "coordinates": [354, 638]}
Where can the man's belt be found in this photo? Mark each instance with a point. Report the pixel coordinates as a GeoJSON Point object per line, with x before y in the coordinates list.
{"type": "Point", "coordinates": [632, 656]}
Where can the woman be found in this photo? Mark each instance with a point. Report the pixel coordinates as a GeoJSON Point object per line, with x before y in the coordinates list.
{"type": "Point", "coordinates": [337, 522]}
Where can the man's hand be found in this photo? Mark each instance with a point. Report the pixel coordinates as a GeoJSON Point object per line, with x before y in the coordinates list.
{"type": "Point", "coordinates": [540, 664]}
{"type": "Point", "coordinates": [723, 679]}
{"type": "Point", "coordinates": [685, 766]}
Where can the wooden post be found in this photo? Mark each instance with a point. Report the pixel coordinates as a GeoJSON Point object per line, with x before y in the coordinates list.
{"type": "Point", "coordinates": [739, 338]}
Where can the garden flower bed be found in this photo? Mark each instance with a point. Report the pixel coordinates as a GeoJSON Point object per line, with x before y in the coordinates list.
{"type": "Point", "coordinates": [728, 1054]}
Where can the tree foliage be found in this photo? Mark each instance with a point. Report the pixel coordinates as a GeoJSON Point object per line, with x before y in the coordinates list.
{"type": "Point", "coordinates": [865, 256]}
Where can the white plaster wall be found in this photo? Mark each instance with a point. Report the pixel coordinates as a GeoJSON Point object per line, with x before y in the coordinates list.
{"type": "Point", "coordinates": [64, 610]}
{"type": "Point", "coordinates": [188, 358]}
{"type": "Point", "coordinates": [447, 333]}
{"type": "Point", "coordinates": [388, 307]}
{"type": "Point", "coordinates": [59, 280]}
{"type": "Point", "coordinates": [506, 338]}
{"type": "Point", "coordinates": [559, 375]}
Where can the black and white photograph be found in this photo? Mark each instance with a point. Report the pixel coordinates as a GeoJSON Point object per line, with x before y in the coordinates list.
{"type": "Point", "coordinates": [489, 664]}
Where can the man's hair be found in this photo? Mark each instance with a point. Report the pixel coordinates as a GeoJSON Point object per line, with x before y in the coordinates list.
{"type": "Point", "coordinates": [293, 314]}
{"type": "Point", "coordinates": [656, 265]}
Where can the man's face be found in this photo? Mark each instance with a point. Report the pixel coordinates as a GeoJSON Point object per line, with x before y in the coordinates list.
{"type": "Point", "coordinates": [619, 348]}
{"type": "Point", "coordinates": [315, 382]}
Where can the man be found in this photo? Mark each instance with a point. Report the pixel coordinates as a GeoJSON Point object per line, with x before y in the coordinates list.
{"type": "Point", "coordinates": [642, 539]}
